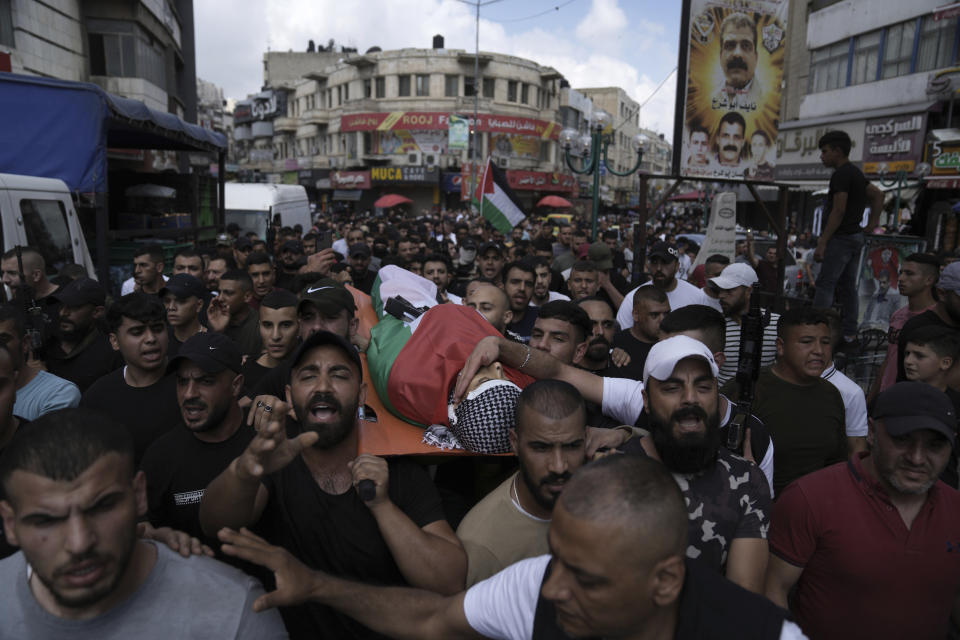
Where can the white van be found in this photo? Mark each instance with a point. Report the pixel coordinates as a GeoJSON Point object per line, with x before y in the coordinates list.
{"type": "Point", "coordinates": [252, 206]}
{"type": "Point", "coordinates": [39, 213]}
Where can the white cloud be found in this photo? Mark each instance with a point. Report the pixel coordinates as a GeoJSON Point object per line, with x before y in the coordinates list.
{"type": "Point", "coordinates": [603, 49]}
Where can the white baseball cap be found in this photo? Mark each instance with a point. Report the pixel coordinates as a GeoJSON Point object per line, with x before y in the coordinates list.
{"type": "Point", "coordinates": [664, 356]}
{"type": "Point", "coordinates": [738, 274]}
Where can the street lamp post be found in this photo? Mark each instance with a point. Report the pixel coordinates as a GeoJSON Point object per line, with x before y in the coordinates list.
{"type": "Point", "coordinates": [596, 143]}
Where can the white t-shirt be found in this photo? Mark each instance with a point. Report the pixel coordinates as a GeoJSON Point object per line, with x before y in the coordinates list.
{"type": "Point", "coordinates": [505, 605]}
{"type": "Point", "coordinates": [130, 284]}
{"type": "Point", "coordinates": [683, 269]}
{"type": "Point", "coordinates": [622, 399]}
{"type": "Point", "coordinates": [551, 296]}
{"type": "Point", "coordinates": [854, 402]}
{"type": "Point", "coordinates": [682, 295]}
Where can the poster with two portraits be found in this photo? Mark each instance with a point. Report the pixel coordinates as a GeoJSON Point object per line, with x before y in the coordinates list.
{"type": "Point", "coordinates": [730, 104]}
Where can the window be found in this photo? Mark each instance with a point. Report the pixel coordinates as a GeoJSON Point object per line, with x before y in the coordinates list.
{"type": "Point", "coordinates": [828, 67]}
{"type": "Point", "coordinates": [367, 88]}
{"type": "Point", "coordinates": [898, 49]}
{"type": "Point", "coordinates": [339, 95]}
{"type": "Point", "coordinates": [381, 86]}
{"type": "Point", "coordinates": [866, 58]}
{"type": "Point", "coordinates": [403, 88]}
{"type": "Point", "coordinates": [489, 87]}
{"type": "Point", "coordinates": [123, 49]}
{"type": "Point", "coordinates": [451, 86]}
{"type": "Point", "coordinates": [936, 43]}
{"type": "Point", "coordinates": [468, 86]}
{"type": "Point", "coordinates": [512, 91]}
{"type": "Point", "coordinates": [45, 222]}
{"type": "Point", "coordinates": [423, 85]}
{"type": "Point", "coordinates": [346, 92]}
{"type": "Point", "coordinates": [524, 93]}
{"type": "Point", "coordinates": [6, 23]}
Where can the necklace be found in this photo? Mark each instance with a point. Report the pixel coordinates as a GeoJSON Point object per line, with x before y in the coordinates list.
{"type": "Point", "coordinates": [515, 498]}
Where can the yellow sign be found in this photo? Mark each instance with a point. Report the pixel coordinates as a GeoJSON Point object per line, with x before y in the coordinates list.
{"type": "Point", "coordinates": [906, 166]}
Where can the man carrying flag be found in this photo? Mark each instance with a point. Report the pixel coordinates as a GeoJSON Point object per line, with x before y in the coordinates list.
{"type": "Point", "coordinates": [497, 201]}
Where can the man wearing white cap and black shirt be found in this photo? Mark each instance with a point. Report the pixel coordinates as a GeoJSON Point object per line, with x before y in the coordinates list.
{"type": "Point", "coordinates": [183, 296]}
{"type": "Point", "coordinates": [81, 353]}
{"type": "Point", "coordinates": [180, 464]}
{"type": "Point", "coordinates": [728, 498]}
{"type": "Point", "coordinates": [734, 286]}
{"type": "Point", "coordinates": [867, 548]}
{"type": "Point", "coordinates": [662, 264]}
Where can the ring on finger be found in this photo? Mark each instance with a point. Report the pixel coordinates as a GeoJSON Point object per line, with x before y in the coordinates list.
{"type": "Point", "coordinates": [261, 403]}
{"type": "Point", "coordinates": [267, 408]}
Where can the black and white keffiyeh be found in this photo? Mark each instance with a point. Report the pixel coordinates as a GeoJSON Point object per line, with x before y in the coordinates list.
{"type": "Point", "coordinates": [481, 422]}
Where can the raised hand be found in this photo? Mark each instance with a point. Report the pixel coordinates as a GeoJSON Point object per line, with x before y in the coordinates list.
{"type": "Point", "coordinates": [271, 449]}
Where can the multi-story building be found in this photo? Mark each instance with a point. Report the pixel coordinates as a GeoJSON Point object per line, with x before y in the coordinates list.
{"type": "Point", "coordinates": [368, 124]}
{"type": "Point", "coordinates": [883, 71]}
{"type": "Point", "coordinates": [142, 49]}
{"type": "Point", "coordinates": [621, 154]}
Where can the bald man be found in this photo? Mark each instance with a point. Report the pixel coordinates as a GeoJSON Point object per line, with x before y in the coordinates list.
{"type": "Point", "coordinates": [35, 276]}
{"type": "Point", "coordinates": [492, 303]}
{"type": "Point", "coordinates": [597, 582]}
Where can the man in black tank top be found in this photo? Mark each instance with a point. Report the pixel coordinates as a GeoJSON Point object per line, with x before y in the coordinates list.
{"type": "Point", "coordinates": [598, 581]}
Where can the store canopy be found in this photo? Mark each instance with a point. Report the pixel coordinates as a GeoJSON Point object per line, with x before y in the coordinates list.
{"type": "Point", "coordinates": [391, 200]}
{"type": "Point", "coordinates": [61, 129]}
{"type": "Point", "coordinates": [554, 201]}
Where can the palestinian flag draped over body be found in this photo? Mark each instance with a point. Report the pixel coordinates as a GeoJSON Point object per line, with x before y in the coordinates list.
{"type": "Point", "coordinates": [498, 204]}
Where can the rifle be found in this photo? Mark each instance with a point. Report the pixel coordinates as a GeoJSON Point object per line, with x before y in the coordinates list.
{"type": "Point", "coordinates": [33, 322]}
{"type": "Point", "coordinates": [748, 368]}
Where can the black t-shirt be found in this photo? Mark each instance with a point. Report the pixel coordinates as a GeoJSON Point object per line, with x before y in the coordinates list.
{"type": "Point", "coordinates": [523, 326]}
{"type": "Point", "coordinates": [253, 372]}
{"type": "Point", "coordinates": [246, 333]}
{"type": "Point", "coordinates": [928, 318]}
{"type": "Point", "coordinates": [272, 383]}
{"type": "Point", "coordinates": [90, 361]}
{"type": "Point", "coordinates": [636, 349]}
{"type": "Point", "coordinates": [148, 412]}
{"type": "Point", "coordinates": [849, 179]}
{"type": "Point", "coordinates": [339, 535]}
{"type": "Point", "coordinates": [365, 282]}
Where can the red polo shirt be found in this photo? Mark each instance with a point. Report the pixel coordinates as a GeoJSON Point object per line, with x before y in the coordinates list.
{"type": "Point", "coordinates": [865, 575]}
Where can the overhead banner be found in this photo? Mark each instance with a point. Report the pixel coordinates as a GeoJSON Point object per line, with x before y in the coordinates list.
{"type": "Point", "coordinates": [503, 145]}
{"type": "Point", "coordinates": [458, 132]}
{"type": "Point", "coordinates": [432, 120]}
{"type": "Point", "coordinates": [729, 106]}
{"type": "Point", "coordinates": [721, 228]}
{"type": "Point", "coordinates": [400, 141]}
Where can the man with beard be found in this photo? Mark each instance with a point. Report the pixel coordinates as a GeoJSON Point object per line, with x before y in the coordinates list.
{"type": "Point", "coordinates": [511, 522]}
{"type": "Point", "coordinates": [190, 262]}
{"type": "Point", "coordinates": [279, 333]}
{"type": "Point", "coordinates": [182, 462]}
{"type": "Point", "coordinates": [140, 395]}
{"type": "Point", "coordinates": [363, 275]}
{"type": "Point", "coordinates": [662, 264]}
{"type": "Point", "coordinates": [804, 413]}
{"type": "Point", "coordinates": [597, 582]}
{"type": "Point", "coordinates": [71, 503]}
{"type": "Point", "coordinates": [81, 353]}
{"type": "Point", "coordinates": [597, 356]}
{"type": "Point", "coordinates": [518, 279]}
{"type": "Point", "coordinates": [831, 527]}
{"type": "Point", "coordinates": [738, 61]}
{"type": "Point", "coordinates": [147, 271]}
{"type": "Point", "coordinates": [291, 259]}
{"type": "Point", "coordinates": [183, 296]}
{"type": "Point", "coordinates": [218, 266]}
{"type": "Point", "coordinates": [439, 270]}
{"type": "Point", "coordinates": [302, 492]}
{"type": "Point", "coordinates": [734, 286]}
{"type": "Point", "coordinates": [727, 497]}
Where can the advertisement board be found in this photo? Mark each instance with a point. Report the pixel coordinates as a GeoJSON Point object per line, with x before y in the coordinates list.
{"type": "Point", "coordinates": [728, 106]}
{"type": "Point", "coordinates": [433, 120]}
{"type": "Point", "coordinates": [896, 142]}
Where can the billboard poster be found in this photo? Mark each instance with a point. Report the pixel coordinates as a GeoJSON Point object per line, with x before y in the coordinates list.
{"type": "Point", "coordinates": [459, 133]}
{"type": "Point", "coordinates": [730, 105]}
{"type": "Point", "coordinates": [400, 141]}
{"type": "Point", "coordinates": [504, 145]}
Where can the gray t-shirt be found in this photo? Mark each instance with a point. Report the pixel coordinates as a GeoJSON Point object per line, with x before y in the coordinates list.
{"type": "Point", "coordinates": [194, 597]}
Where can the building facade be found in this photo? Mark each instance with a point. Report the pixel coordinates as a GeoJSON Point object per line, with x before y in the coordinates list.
{"type": "Point", "coordinates": [380, 122]}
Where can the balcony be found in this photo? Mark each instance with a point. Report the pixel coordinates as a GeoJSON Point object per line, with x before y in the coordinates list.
{"type": "Point", "coordinates": [285, 124]}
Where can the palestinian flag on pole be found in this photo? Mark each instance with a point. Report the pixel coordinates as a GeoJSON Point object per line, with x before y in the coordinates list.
{"type": "Point", "coordinates": [498, 204]}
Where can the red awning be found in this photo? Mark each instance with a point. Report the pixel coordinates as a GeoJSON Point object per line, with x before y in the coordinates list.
{"type": "Point", "coordinates": [391, 200]}
{"type": "Point", "coordinates": [689, 195]}
{"type": "Point", "coordinates": [554, 201]}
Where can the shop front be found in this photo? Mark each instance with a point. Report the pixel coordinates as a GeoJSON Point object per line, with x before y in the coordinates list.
{"type": "Point", "coordinates": [419, 183]}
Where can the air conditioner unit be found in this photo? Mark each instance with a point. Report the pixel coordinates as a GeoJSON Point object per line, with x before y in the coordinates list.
{"type": "Point", "coordinates": [430, 159]}
{"type": "Point", "coordinates": [503, 163]}
{"type": "Point", "coordinates": [414, 158]}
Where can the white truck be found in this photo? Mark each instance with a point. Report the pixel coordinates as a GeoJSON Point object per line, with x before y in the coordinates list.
{"type": "Point", "coordinates": [39, 213]}
{"type": "Point", "coordinates": [253, 206]}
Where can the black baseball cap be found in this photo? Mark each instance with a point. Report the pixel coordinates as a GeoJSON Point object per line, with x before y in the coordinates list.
{"type": "Point", "coordinates": [321, 338]}
{"type": "Point", "coordinates": [663, 249]}
{"type": "Point", "coordinates": [359, 248]}
{"type": "Point", "coordinates": [910, 406]}
{"type": "Point", "coordinates": [486, 246]}
{"type": "Point", "coordinates": [329, 296]}
{"type": "Point", "coordinates": [83, 290]}
{"type": "Point", "coordinates": [183, 285]}
{"type": "Point", "coordinates": [243, 242]}
{"type": "Point", "coordinates": [211, 351]}
{"type": "Point", "coordinates": [292, 245]}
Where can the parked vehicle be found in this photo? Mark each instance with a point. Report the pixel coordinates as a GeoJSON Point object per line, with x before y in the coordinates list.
{"type": "Point", "coordinates": [253, 206]}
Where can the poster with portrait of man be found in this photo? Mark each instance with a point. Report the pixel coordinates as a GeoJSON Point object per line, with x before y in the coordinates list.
{"type": "Point", "coordinates": [730, 106]}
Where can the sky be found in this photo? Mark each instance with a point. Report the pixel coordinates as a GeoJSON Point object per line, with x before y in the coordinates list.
{"type": "Point", "coordinates": [593, 43]}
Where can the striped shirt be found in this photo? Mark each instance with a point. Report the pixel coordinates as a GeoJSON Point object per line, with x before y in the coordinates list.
{"type": "Point", "coordinates": [731, 349]}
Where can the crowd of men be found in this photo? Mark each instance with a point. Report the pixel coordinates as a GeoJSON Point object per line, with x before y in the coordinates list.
{"type": "Point", "coordinates": [167, 452]}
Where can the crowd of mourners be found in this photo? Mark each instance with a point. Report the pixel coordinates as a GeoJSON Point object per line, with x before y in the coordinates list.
{"type": "Point", "coordinates": [182, 455]}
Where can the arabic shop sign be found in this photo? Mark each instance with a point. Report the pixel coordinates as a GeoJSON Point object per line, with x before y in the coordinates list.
{"type": "Point", "coordinates": [541, 181]}
{"type": "Point", "coordinates": [395, 175]}
{"type": "Point", "coordinates": [893, 141]}
{"type": "Point", "coordinates": [431, 120]}
{"type": "Point", "coordinates": [265, 105]}
{"type": "Point", "coordinates": [944, 158]}
{"type": "Point", "coordinates": [350, 179]}
{"type": "Point", "coordinates": [798, 156]}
